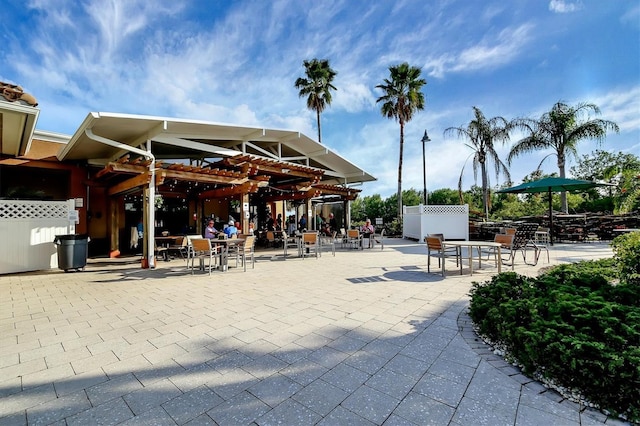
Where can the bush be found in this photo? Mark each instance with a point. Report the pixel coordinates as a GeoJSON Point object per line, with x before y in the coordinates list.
{"type": "Point", "coordinates": [626, 250]}
{"type": "Point", "coordinates": [570, 326]}
{"type": "Point", "coordinates": [394, 229]}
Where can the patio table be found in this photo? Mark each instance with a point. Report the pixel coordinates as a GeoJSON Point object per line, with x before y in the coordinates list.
{"type": "Point", "coordinates": [470, 246]}
{"type": "Point", "coordinates": [224, 246]}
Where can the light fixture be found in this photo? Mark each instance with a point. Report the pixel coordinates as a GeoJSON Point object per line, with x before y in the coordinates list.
{"type": "Point", "coordinates": [425, 139]}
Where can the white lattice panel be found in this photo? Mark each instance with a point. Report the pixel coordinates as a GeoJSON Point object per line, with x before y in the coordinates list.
{"type": "Point", "coordinates": [445, 210]}
{"type": "Point", "coordinates": [14, 209]}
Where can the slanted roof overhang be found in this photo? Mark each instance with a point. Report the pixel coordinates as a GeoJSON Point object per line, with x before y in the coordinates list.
{"type": "Point", "coordinates": [17, 124]}
{"type": "Point", "coordinates": [130, 175]}
{"type": "Point", "coordinates": [205, 142]}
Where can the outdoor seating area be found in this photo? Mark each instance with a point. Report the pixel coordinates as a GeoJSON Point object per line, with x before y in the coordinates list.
{"type": "Point", "coordinates": [318, 338]}
{"type": "Point", "coordinates": [215, 254]}
{"type": "Point", "coordinates": [526, 239]}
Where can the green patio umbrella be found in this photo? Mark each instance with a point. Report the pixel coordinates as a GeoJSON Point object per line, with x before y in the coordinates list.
{"type": "Point", "coordinates": [549, 185]}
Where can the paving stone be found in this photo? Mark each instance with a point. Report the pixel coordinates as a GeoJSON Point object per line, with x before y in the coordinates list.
{"type": "Point", "coordinates": [328, 357]}
{"type": "Point", "coordinates": [41, 377]}
{"type": "Point", "coordinates": [274, 389]}
{"type": "Point", "coordinates": [16, 419]}
{"type": "Point", "coordinates": [528, 416]}
{"type": "Point", "coordinates": [153, 417]}
{"type": "Point", "coordinates": [571, 412]}
{"type": "Point", "coordinates": [408, 366]}
{"type": "Point", "coordinates": [231, 383]}
{"type": "Point", "coordinates": [289, 413]}
{"type": "Point", "coordinates": [265, 366]}
{"type": "Point", "coordinates": [366, 361]}
{"type": "Point", "coordinates": [320, 397]}
{"type": "Point", "coordinates": [441, 389]}
{"type": "Point", "coordinates": [114, 388]}
{"type": "Point", "coordinates": [303, 371]}
{"type": "Point", "coordinates": [471, 411]}
{"type": "Point", "coordinates": [151, 397]}
{"type": "Point", "coordinates": [243, 408]}
{"type": "Point", "coordinates": [202, 420]}
{"type": "Point", "coordinates": [342, 416]}
{"type": "Point", "coordinates": [393, 384]}
{"type": "Point", "coordinates": [453, 371]}
{"type": "Point", "coordinates": [192, 404]}
{"type": "Point", "coordinates": [11, 386]}
{"type": "Point", "coordinates": [371, 404]}
{"type": "Point", "coordinates": [109, 413]}
{"type": "Point", "coordinates": [346, 377]}
{"type": "Point", "coordinates": [194, 377]}
{"type": "Point", "coordinates": [58, 409]}
{"type": "Point", "coordinates": [160, 371]}
{"type": "Point", "coordinates": [78, 382]}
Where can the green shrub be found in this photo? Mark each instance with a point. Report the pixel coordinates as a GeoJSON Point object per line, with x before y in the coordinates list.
{"type": "Point", "coordinates": [626, 249]}
{"type": "Point", "coordinates": [570, 325]}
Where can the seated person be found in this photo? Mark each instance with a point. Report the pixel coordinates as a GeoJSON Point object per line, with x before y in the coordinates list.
{"type": "Point", "coordinates": [231, 229]}
{"type": "Point", "coordinates": [333, 224]}
{"type": "Point", "coordinates": [367, 229]}
{"type": "Point", "coordinates": [210, 231]}
{"type": "Point", "coordinates": [238, 230]}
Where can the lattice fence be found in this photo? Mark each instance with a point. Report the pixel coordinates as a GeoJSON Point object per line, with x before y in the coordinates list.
{"type": "Point", "coordinates": [31, 227]}
{"type": "Point", "coordinates": [446, 210]}
{"type": "Point", "coordinates": [450, 220]}
{"type": "Point", "coordinates": [16, 209]}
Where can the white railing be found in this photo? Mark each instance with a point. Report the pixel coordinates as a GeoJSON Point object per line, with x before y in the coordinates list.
{"type": "Point", "coordinates": [28, 229]}
{"type": "Point", "coordinates": [420, 220]}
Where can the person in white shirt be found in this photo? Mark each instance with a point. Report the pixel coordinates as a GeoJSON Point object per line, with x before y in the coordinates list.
{"type": "Point", "coordinates": [210, 231]}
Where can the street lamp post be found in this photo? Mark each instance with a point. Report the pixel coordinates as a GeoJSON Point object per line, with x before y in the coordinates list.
{"type": "Point", "coordinates": [425, 139]}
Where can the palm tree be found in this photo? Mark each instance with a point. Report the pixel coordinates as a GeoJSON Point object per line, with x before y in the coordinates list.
{"type": "Point", "coordinates": [401, 99]}
{"type": "Point", "coordinates": [561, 129]}
{"type": "Point", "coordinates": [482, 135]}
{"type": "Point", "coordinates": [317, 86]}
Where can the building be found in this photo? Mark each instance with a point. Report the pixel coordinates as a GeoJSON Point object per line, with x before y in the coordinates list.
{"type": "Point", "coordinates": [117, 169]}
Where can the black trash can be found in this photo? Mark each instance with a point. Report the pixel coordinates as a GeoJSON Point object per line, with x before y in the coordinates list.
{"type": "Point", "coordinates": [72, 251]}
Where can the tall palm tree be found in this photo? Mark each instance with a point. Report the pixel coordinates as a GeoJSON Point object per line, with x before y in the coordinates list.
{"type": "Point", "coordinates": [482, 135]}
{"type": "Point", "coordinates": [560, 130]}
{"type": "Point", "coordinates": [401, 99]}
{"type": "Point", "coordinates": [317, 86]}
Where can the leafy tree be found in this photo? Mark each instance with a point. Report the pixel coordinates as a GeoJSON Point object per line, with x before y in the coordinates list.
{"type": "Point", "coordinates": [482, 135]}
{"type": "Point", "coordinates": [603, 165]}
{"type": "Point", "coordinates": [358, 210]}
{"type": "Point", "coordinates": [444, 196]}
{"type": "Point", "coordinates": [317, 86]}
{"type": "Point", "coordinates": [560, 130]}
{"type": "Point", "coordinates": [412, 197]}
{"type": "Point", "coordinates": [402, 97]}
{"type": "Point", "coordinates": [621, 169]}
{"type": "Point", "coordinates": [374, 207]}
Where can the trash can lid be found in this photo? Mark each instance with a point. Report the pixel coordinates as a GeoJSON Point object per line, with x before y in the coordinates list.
{"type": "Point", "coordinates": [71, 237]}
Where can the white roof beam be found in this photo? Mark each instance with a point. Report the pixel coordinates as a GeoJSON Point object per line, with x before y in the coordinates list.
{"type": "Point", "coordinates": [257, 148]}
{"type": "Point", "coordinates": [198, 146]}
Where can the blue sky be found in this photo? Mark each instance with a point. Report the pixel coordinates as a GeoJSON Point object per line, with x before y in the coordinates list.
{"type": "Point", "coordinates": [236, 61]}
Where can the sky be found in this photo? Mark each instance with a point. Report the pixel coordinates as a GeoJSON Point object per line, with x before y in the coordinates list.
{"type": "Point", "coordinates": [236, 62]}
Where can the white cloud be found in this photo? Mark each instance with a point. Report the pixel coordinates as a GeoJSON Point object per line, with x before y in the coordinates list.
{"type": "Point", "coordinates": [621, 106]}
{"type": "Point", "coordinates": [632, 17]}
{"type": "Point", "coordinates": [493, 51]}
{"type": "Point", "coordinates": [563, 6]}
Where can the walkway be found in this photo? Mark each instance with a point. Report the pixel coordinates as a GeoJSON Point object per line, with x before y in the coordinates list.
{"type": "Point", "coordinates": [362, 338]}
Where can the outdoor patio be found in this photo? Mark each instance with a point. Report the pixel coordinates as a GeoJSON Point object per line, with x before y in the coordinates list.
{"type": "Point", "coordinates": [366, 337]}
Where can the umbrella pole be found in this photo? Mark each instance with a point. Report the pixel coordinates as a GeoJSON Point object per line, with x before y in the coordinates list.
{"type": "Point", "coordinates": [550, 218]}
